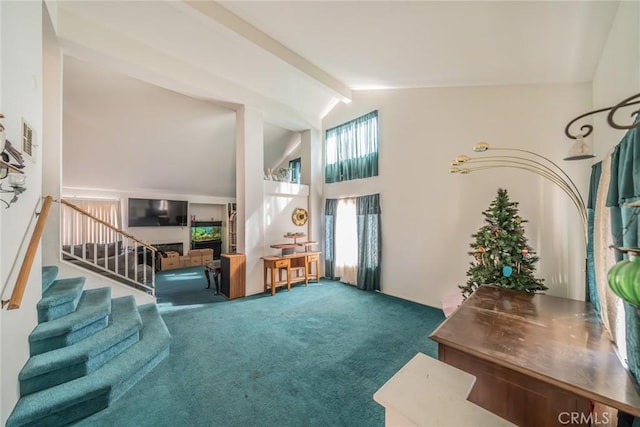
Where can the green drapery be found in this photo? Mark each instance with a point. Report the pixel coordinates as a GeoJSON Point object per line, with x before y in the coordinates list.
{"type": "Point", "coordinates": [330, 207]}
{"type": "Point", "coordinates": [295, 166]}
{"type": "Point", "coordinates": [592, 288]}
{"type": "Point", "coordinates": [369, 242]}
{"type": "Point", "coordinates": [352, 149]}
{"type": "Point", "coordinates": [625, 188]}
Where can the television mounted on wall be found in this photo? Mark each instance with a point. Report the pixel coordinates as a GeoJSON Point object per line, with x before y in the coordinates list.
{"type": "Point", "coordinates": [157, 213]}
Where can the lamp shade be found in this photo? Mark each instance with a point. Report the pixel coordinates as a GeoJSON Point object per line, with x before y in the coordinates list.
{"type": "Point", "coordinates": [580, 150]}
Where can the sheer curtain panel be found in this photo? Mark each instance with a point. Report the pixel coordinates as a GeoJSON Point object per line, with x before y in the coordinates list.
{"type": "Point", "coordinates": [347, 242]}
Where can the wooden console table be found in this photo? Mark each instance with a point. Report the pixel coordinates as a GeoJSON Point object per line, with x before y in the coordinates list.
{"type": "Point", "coordinates": [536, 357]}
{"type": "Point", "coordinates": [287, 263]}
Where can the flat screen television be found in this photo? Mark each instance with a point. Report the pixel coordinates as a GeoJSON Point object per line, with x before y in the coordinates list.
{"type": "Point", "coordinates": [157, 213]}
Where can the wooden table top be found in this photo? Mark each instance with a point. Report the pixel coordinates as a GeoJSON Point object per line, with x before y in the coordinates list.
{"type": "Point", "coordinates": [293, 255]}
{"type": "Point", "coordinates": [556, 340]}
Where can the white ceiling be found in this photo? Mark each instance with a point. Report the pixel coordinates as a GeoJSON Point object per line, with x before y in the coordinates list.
{"type": "Point", "coordinates": [393, 44]}
{"type": "Point", "coordinates": [295, 60]}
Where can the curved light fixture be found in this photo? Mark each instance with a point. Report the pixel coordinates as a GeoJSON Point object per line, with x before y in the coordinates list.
{"type": "Point", "coordinates": [582, 150]}
{"type": "Point", "coordinates": [529, 161]}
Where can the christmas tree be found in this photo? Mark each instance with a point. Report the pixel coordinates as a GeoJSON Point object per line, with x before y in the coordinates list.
{"type": "Point", "coordinates": [501, 254]}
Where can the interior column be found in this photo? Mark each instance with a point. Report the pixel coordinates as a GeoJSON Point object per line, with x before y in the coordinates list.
{"type": "Point", "coordinates": [312, 174]}
{"type": "Point", "coordinates": [249, 193]}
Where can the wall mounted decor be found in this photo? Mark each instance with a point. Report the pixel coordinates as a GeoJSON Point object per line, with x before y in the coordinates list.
{"type": "Point", "coordinates": [300, 216]}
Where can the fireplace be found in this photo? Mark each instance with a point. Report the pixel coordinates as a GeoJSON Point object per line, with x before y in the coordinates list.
{"type": "Point", "coordinates": [169, 247]}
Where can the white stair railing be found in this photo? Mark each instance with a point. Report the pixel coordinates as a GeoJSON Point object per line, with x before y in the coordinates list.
{"type": "Point", "coordinates": [118, 255]}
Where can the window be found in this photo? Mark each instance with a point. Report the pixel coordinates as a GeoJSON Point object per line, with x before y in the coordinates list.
{"type": "Point", "coordinates": [294, 167]}
{"type": "Point", "coordinates": [351, 149]}
{"type": "Point", "coordinates": [346, 241]}
{"type": "Point", "coordinates": [353, 241]}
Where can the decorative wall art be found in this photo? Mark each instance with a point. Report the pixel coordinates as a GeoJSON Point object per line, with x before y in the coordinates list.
{"type": "Point", "coordinates": [300, 216]}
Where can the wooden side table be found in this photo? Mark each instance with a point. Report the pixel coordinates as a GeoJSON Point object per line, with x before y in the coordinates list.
{"type": "Point", "coordinates": [276, 265]}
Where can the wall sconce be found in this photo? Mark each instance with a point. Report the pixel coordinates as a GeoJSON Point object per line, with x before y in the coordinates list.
{"type": "Point", "coordinates": [624, 276]}
{"type": "Point", "coordinates": [582, 150]}
{"type": "Point", "coordinates": [13, 171]}
{"type": "Point", "coordinates": [524, 160]}
{"type": "Point", "coordinates": [16, 183]}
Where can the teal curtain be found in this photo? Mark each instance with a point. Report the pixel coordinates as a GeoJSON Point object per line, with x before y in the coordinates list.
{"type": "Point", "coordinates": [592, 289]}
{"type": "Point", "coordinates": [294, 166]}
{"type": "Point", "coordinates": [625, 188]}
{"type": "Point", "coordinates": [351, 149]}
{"type": "Point", "coordinates": [330, 208]}
{"type": "Point", "coordinates": [369, 242]}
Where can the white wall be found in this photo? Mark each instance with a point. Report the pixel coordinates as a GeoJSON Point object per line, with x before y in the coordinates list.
{"type": "Point", "coordinates": [428, 215]}
{"type": "Point", "coordinates": [312, 173]}
{"type": "Point", "coordinates": [617, 76]}
{"type": "Point", "coordinates": [280, 200]}
{"type": "Point", "coordinates": [21, 97]}
{"type": "Point", "coordinates": [122, 133]}
{"type": "Point", "coordinates": [52, 134]}
{"type": "Point", "coordinates": [208, 212]}
{"type": "Point", "coordinates": [280, 146]}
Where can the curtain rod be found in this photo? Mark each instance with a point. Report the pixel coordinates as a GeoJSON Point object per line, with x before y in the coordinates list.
{"type": "Point", "coordinates": [585, 130]}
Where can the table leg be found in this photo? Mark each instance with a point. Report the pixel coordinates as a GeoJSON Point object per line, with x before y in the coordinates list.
{"type": "Point", "coordinates": [273, 281]}
{"type": "Point", "coordinates": [288, 279]}
{"type": "Point", "coordinates": [206, 274]}
{"type": "Point", "coordinates": [265, 278]}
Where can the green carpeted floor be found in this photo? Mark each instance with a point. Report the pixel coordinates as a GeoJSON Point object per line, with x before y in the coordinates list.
{"type": "Point", "coordinates": [310, 357]}
{"type": "Point", "coordinates": [185, 286]}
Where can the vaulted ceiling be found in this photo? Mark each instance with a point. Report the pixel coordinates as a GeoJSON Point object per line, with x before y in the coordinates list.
{"type": "Point", "coordinates": [295, 60]}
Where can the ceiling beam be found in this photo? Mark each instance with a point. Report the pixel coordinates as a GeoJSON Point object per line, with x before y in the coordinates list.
{"type": "Point", "coordinates": [222, 16]}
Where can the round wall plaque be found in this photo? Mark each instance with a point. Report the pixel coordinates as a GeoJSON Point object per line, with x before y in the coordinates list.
{"type": "Point", "coordinates": [300, 216]}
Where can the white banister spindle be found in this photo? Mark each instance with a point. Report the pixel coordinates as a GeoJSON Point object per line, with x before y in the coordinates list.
{"type": "Point", "coordinates": [81, 228]}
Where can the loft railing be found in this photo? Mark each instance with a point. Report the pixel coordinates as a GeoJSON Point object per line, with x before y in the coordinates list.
{"type": "Point", "coordinates": [25, 270]}
{"type": "Point", "coordinates": [96, 245]}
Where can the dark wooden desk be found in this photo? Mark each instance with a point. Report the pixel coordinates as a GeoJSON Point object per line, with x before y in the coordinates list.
{"type": "Point", "coordinates": [535, 356]}
{"type": "Point", "coordinates": [214, 268]}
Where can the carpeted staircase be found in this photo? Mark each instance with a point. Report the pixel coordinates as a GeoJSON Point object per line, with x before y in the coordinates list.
{"type": "Point", "coordinates": [86, 352]}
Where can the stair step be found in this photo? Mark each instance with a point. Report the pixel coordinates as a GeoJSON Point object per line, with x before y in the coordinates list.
{"type": "Point", "coordinates": [77, 399]}
{"type": "Point", "coordinates": [49, 274]}
{"type": "Point", "coordinates": [91, 315]}
{"type": "Point", "coordinates": [68, 363]}
{"type": "Point", "coordinates": [60, 298]}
